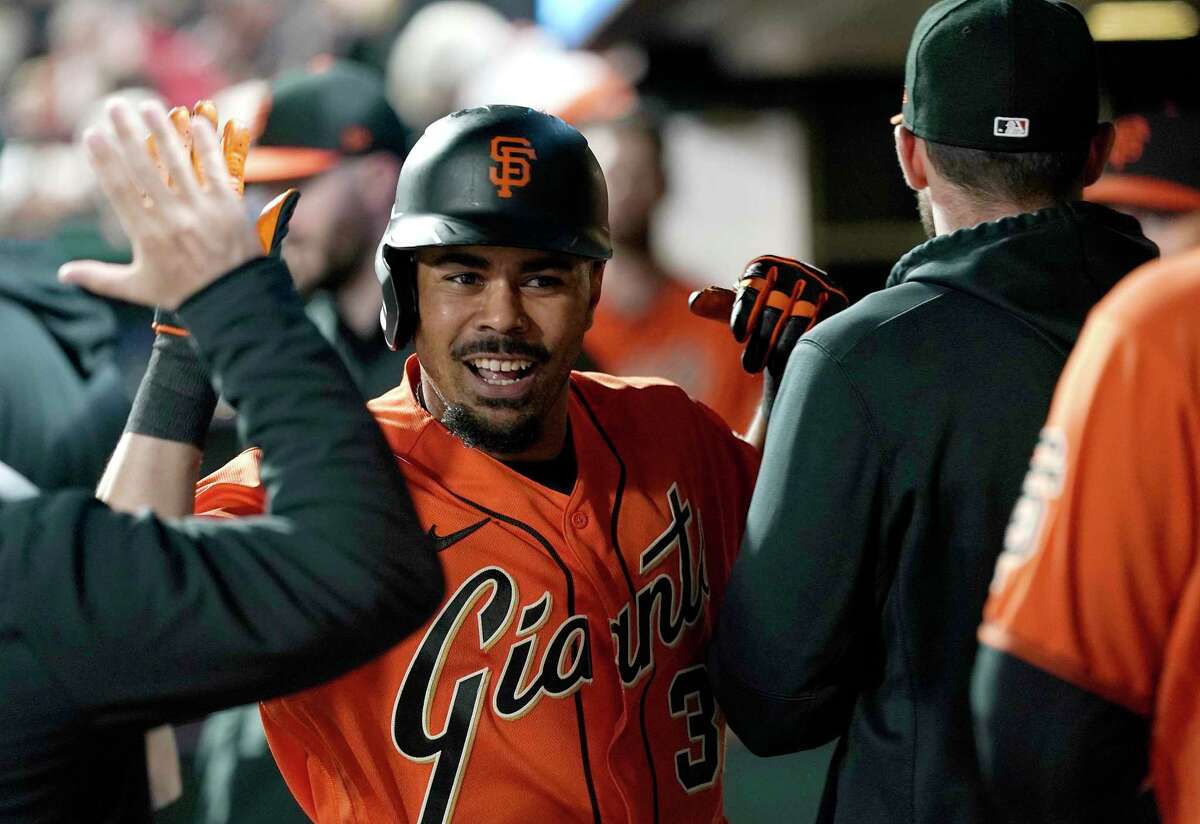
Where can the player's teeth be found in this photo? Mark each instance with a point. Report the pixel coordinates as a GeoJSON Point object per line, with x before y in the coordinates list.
{"type": "Point", "coordinates": [493, 365]}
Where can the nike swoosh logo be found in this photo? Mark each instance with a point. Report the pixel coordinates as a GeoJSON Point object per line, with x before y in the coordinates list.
{"type": "Point", "coordinates": [443, 542]}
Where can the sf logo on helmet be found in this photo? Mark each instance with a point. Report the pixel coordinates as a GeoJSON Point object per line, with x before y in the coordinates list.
{"type": "Point", "coordinates": [512, 156]}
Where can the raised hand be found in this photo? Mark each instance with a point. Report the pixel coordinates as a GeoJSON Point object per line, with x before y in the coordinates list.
{"type": "Point", "coordinates": [185, 231]}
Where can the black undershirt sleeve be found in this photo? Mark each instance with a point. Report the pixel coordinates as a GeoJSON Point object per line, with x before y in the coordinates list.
{"type": "Point", "coordinates": [142, 621]}
{"type": "Point", "coordinates": [1052, 753]}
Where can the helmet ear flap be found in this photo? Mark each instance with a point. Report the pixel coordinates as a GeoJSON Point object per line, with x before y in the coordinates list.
{"type": "Point", "coordinates": [396, 269]}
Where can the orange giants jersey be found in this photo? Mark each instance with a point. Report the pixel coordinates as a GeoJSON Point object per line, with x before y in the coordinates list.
{"type": "Point", "coordinates": [563, 677]}
{"type": "Point", "coordinates": [1099, 583]}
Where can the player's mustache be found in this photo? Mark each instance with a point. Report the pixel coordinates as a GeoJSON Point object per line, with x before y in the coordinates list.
{"type": "Point", "coordinates": [502, 346]}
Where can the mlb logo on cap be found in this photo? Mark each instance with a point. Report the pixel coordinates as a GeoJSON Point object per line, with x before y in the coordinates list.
{"type": "Point", "coordinates": [971, 60]}
{"type": "Point", "coordinates": [1011, 127]}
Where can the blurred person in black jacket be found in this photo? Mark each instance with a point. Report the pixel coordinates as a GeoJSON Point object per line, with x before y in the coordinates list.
{"type": "Point", "coordinates": [113, 623]}
{"type": "Point", "coordinates": [899, 439]}
{"type": "Point", "coordinates": [62, 400]}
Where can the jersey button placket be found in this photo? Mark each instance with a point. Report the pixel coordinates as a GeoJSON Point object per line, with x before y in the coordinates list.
{"type": "Point", "coordinates": [579, 519]}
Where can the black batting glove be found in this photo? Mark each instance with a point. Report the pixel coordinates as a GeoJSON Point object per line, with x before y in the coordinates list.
{"type": "Point", "coordinates": [777, 300]}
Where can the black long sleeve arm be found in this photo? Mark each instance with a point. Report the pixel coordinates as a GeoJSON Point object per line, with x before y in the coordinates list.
{"type": "Point", "coordinates": [1052, 753]}
{"type": "Point", "coordinates": [140, 620]}
{"type": "Point", "coordinates": [788, 651]}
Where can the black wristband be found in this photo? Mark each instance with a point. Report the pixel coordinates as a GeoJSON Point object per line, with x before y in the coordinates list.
{"type": "Point", "coordinates": [175, 400]}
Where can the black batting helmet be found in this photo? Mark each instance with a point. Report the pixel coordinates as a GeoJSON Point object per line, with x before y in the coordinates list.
{"type": "Point", "coordinates": [491, 176]}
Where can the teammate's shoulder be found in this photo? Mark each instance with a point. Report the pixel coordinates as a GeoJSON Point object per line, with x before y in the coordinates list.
{"type": "Point", "coordinates": [647, 411]}
{"type": "Point", "coordinates": [878, 314]}
{"type": "Point", "coordinates": [602, 388]}
{"type": "Point", "coordinates": [400, 417]}
{"type": "Point", "coordinates": [1158, 298]}
{"type": "Point", "coordinates": [244, 470]}
{"type": "Point", "coordinates": [235, 488]}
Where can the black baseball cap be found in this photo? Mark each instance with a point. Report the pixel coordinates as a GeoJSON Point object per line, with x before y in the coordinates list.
{"type": "Point", "coordinates": [1002, 75]}
{"type": "Point", "coordinates": [1154, 163]}
{"type": "Point", "coordinates": [315, 117]}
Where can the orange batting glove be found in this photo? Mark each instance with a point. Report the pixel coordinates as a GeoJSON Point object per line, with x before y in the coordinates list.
{"type": "Point", "coordinates": [235, 145]}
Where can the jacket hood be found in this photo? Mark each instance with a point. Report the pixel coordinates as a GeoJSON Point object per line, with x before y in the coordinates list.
{"type": "Point", "coordinates": [80, 324]}
{"type": "Point", "coordinates": [1049, 267]}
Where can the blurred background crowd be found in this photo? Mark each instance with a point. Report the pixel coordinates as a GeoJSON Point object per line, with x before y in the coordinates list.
{"type": "Point", "coordinates": [726, 128]}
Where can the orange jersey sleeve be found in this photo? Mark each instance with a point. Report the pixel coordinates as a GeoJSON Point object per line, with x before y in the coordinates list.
{"type": "Point", "coordinates": [1102, 538]}
{"type": "Point", "coordinates": [234, 490]}
{"type": "Point", "coordinates": [1098, 582]}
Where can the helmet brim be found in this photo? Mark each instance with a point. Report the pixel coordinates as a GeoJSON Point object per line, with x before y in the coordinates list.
{"type": "Point", "coordinates": [420, 230]}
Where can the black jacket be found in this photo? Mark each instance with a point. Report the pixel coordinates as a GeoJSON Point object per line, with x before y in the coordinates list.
{"type": "Point", "coordinates": [111, 624]}
{"type": "Point", "coordinates": [62, 399]}
{"type": "Point", "coordinates": [894, 455]}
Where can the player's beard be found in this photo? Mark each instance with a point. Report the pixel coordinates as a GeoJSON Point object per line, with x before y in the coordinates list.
{"type": "Point", "coordinates": [478, 433]}
{"type": "Point", "coordinates": [513, 436]}
{"type": "Point", "coordinates": [925, 209]}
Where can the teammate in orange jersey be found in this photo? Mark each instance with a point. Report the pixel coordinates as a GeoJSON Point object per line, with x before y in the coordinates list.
{"type": "Point", "coordinates": [1088, 680]}
{"type": "Point", "coordinates": [586, 524]}
{"type": "Point", "coordinates": [642, 326]}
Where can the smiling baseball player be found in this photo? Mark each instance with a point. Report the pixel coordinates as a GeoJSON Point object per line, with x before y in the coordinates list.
{"type": "Point", "coordinates": [586, 524]}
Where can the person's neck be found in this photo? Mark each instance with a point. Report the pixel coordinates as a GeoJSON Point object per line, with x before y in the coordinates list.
{"type": "Point", "coordinates": [548, 445]}
{"type": "Point", "coordinates": [953, 211]}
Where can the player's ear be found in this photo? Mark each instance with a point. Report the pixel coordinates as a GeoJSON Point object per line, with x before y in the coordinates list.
{"type": "Point", "coordinates": [595, 282]}
{"type": "Point", "coordinates": [1098, 151]}
{"type": "Point", "coordinates": [910, 151]}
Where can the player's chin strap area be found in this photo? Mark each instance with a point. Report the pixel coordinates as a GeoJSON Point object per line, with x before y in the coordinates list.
{"type": "Point", "coordinates": [421, 384]}
{"type": "Point", "coordinates": [397, 274]}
